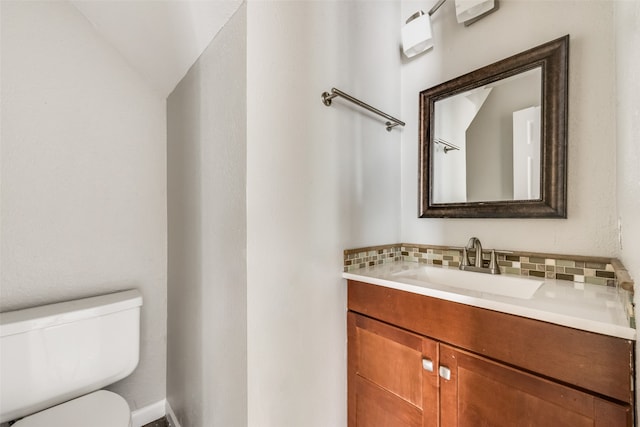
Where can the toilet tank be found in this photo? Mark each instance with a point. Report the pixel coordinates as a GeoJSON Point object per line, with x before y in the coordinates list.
{"type": "Point", "coordinates": [54, 353]}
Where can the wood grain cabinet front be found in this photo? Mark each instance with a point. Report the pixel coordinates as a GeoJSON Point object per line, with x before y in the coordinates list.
{"type": "Point", "coordinates": [398, 376]}
{"type": "Point", "coordinates": [480, 392]}
{"type": "Point", "coordinates": [392, 376]}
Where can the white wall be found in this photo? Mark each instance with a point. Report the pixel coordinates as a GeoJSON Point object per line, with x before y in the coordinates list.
{"type": "Point", "coordinates": [83, 177]}
{"type": "Point", "coordinates": [207, 315]}
{"type": "Point", "coordinates": [319, 180]}
{"type": "Point", "coordinates": [453, 116]}
{"type": "Point", "coordinates": [627, 24]}
{"type": "Point", "coordinates": [627, 27]}
{"type": "Point", "coordinates": [515, 27]}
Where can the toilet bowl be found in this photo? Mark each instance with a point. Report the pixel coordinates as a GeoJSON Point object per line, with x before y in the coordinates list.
{"type": "Point", "coordinates": [55, 359]}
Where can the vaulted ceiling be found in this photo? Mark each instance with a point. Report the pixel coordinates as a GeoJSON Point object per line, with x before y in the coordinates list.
{"type": "Point", "coordinates": [161, 39]}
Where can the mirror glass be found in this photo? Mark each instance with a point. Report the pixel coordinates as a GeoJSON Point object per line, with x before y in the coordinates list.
{"type": "Point", "coordinates": [487, 142]}
{"type": "Point", "coordinates": [493, 142]}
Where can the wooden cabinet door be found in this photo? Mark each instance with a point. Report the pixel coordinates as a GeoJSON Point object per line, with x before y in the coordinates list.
{"type": "Point", "coordinates": [480, 392]}
{"type": "Point", "coordinates": [392, 376]}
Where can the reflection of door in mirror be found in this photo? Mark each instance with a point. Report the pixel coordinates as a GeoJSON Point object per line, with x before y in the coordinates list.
{"type": "Point", "coordinates": [479, 124]}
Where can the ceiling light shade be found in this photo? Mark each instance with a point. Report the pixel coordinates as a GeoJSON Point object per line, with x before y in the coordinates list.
{"type": "Point", "coordinates": [467, 10]}
{"type": "Point", "coordinates": [416, 34]}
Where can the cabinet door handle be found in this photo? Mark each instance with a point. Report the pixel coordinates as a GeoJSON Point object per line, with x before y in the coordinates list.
{"type": "Point", "coordinates": [444, 372]}
{"type": "Point", "coordinates": [427, 365]}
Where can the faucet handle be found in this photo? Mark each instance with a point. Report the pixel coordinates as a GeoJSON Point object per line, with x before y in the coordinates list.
{"type": "Point", "coordinates": [464, 262]}
{"type": "Point", "coordinates": [493, 264]}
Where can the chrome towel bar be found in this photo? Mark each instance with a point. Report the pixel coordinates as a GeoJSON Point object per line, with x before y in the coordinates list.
{"type": "Point", "coordinates": [391, 123]}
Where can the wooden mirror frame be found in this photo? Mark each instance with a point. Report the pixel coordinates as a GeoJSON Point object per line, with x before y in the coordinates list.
{"type": "Point", "coordinates": [553, 58]}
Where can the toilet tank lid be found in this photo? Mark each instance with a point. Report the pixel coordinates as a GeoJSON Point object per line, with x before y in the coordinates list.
{"type": "Point", "coordinates": [19, 321]}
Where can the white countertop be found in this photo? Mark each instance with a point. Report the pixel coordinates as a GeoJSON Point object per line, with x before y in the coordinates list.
{"type": "Point", "coordinates": [583, 306]}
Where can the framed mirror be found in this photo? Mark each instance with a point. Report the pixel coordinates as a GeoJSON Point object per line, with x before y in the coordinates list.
{"type": "Point", "coordinates": [493, 142]}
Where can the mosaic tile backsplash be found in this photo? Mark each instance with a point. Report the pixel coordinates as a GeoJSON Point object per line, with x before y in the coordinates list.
{"type": "Point", "coordinates": [596, 271]}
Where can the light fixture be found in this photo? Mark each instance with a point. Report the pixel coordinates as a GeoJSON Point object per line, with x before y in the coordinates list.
{"type": "Point", "coordinates": [470, 11]}
{"type": "Point", "coordinates": [417, 35]}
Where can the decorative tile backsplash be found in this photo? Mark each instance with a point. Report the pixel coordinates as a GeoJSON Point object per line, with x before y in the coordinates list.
{"type": "Point", "coordinates": [366, 257]}
{"type": "Point", "coordinates": [597, 271]}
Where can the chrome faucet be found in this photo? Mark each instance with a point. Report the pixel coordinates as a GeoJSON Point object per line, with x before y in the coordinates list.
{"type": "Point", "coordinates": [478, 265]}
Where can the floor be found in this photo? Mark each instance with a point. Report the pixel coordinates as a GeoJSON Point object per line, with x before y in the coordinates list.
{"type": "Point", "coordinates": [161, 422]}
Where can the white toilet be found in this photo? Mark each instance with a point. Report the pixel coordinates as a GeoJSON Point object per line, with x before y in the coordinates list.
{"type": "Point", "coordinates": [53, 358]}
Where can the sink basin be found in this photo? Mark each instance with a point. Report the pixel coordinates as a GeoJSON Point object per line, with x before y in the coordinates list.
{"type": "Point", "coordinates": [508, 286]}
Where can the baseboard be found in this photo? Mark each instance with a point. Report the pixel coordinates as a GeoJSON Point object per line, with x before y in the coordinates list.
{"type": "Point", "coordinates": [171, 417]}
{"type": "Point", "coordinates": [149, 413]}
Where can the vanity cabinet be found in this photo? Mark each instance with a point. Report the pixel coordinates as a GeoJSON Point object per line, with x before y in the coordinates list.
{"type": "Point", "coordinates": [419, 361]}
